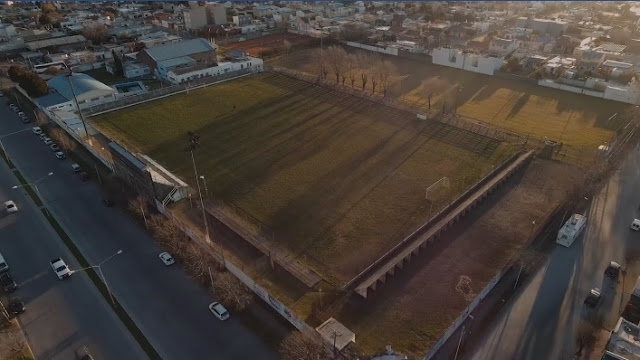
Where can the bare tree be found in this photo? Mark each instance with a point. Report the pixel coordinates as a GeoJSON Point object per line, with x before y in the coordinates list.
{"type": "Point", "coordinates": [386, 72]}
{"type": "Point", "coordinates": [349, 64]}
{"type": "Point", "coordinates": [139, 206]}
{"type": "Point", "coordinates": [335, 58]}
{"type": "Point", "coordinates": [63, 139]}
{"type": "Point", "coordinates": [231, 291]}
{"type": "Point", "coordinates": [97, 34]}
{"type": "Point", "coordinates": [41, 119]}
{"type": "Point", "coordinates": [363, 67]}
{"type": "Point", "coordinates": [299, 346]}
{"type": "Point", "coordinates": [197, 260]}
{"type": "Point", "coordinates": [286, 45]}
{"type": "Point", "coordinates": [585, 338]}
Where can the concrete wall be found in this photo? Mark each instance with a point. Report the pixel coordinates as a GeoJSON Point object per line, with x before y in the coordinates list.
{"type": "Point", "coordinates": [388, 50]}
{"type": "Point", "coordinates": [469, 62]}
{"type": "Point", "coordinates": [629, 94]}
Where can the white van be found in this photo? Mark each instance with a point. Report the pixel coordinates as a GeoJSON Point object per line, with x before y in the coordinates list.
{"type": "Point", "coordinates": [3, 265]}
{"type": "Point", "coordinates": [635, 225]}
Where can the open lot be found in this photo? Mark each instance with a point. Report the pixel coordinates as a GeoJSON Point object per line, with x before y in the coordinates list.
{"type": "Point", "coordinates": [576, 120]}
{"type": "Point", "coordinates": [265, 44]}
{"type": "Point", "coordinates": [339, 180]}
{"type": "Point", "coordinates": [412, 310]}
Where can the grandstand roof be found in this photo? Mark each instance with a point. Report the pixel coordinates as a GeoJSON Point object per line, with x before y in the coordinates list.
{"type": "Point", "coordinates": [84, 86]}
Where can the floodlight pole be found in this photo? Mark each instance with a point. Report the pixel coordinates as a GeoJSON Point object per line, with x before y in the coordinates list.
{"type": "Point", "coordinates": [75, 99]}
{"type": "Point", "coordinates": [204, 214]}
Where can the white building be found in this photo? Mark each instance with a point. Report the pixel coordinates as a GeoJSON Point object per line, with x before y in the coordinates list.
{"type": "Point", "coordinates": [502, 47]}
{"type": "Point", "coordinates": [482, 64]}
{"type": "Point", "coordinates": [89, 92]}
{"type": "Point", "coordinates": [177, 75]}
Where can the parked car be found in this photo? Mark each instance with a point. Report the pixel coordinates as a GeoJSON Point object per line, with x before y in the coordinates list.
{"type": "Point", "coordinates": [16, 306]}
{"type": "Point", "coordinates": [75, 167]}
{"type": "Point", "coordinates": [43, 136]}
{"type": "Point", "coordinates": [166, 258]}
{"type": "Point", "coordinates": [83, 354]}
{"type": "Point", "coordinates": [54, 147]}
{"type": "Point", "coordinates": [47, 141]}
{"type": "Point", "coordinates": [219, 311]}
{"type": "Point", "coordinates": [593, 298]}
{"type": "Point", "coordinates": [21, 114]}
{"type": "Point", "coordinates": [10, 206]}
{"type": "Point", "coordinates": [14, 107]}
{"type": "Point", "coordinates": [60, 155]}
{"type": "Point", "coordinates": [36, 130]}
{"type": "Point", "coordinates": [613, 270]}
{"type": "Point", "coordinates": [60, 268]}
{"type": "Point", "coordinates": [107, 200]}
{"type": "Point", "coordinates": [7, 283]}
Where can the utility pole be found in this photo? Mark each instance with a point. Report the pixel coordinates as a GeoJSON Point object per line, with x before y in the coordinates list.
{"type": "Point", "coordinates": [193, 145]}
{"type": "Point", "coordinates": [75, 99]}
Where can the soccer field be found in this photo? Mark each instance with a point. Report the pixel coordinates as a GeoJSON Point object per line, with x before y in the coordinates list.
{"type": "Point", "coordinates": [338, 179]}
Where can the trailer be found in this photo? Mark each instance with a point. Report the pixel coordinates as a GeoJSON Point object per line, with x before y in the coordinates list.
{"type": "Point", "coordinates": [571, 230]}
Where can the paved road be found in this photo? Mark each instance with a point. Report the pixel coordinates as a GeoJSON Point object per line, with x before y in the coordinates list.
{"type": "Point", "coordinates": [61, 316]}
{"type": "Point", "coordinates": [168, 307]}
{"type": "Point", "coordinates": [541, 322]}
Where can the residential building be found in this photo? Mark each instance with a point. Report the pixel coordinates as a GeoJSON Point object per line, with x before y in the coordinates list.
{"type": "Point", "coordinates": [242, 19]}
{"type": "Point", "coordinates": [58, 43]}
{"type": "Point", "coordinates": [180, 54]}
{"type": "Point", "coordinates": [7, 32]}
{"type": "Point", "coordinates": [590, 62]}
{"type": "Point", "coordinates": [624, 343]}
{"type": "Point", "coordinates": [195, 17]}
{"type": "Point", "coordinates": [502, 47]}
{"type": "Point", "coordinates": [217, 14]}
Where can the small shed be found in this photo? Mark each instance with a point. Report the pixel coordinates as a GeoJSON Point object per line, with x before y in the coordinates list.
{"type": "Point", "coordinates": [333, 332]}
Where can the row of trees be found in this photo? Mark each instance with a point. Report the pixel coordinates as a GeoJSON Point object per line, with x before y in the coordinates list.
{"type": "Point", "coordinates": [28, 80]}
{"type": "Point", "coordinates": [364, 69]}
{"type": "Point", "coordinates": [197, 260]}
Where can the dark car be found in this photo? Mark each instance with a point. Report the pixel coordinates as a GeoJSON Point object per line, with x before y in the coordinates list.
{"type": "Point", "coordinates": [84, 176]}
{"type": "Point", "coordinates": [593, 298]}
{"type": "Point", "coordinates": [613, 270]}
{"type": "Point", "coordinates": [83, 354]}
{"type": "Point", "coordinates": [108, 200]}
{"type": "Point", "coordinates": [7, 283]}
{"type": "Point", "coordinates": [16, 306]}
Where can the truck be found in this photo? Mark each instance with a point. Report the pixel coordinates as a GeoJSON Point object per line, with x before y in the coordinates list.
{"type": "Point", "coordinates": [571, 230]}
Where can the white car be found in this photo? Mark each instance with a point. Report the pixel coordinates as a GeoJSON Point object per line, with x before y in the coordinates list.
{"type": "Point", "coordinates": [36, 130]}
{"type": "Point", "coordinates": [43, 136]}
{"type": "Point", "coordinates": [60, 268]}
{"type": "Point", "coordinates": [22, 115]}
{"type": "Point", "coordinates": [60, 155]}
{"type": "Point", "coordinates": [47, 141]}
{"type": "Point", "coordinates": [10, 206]}
{"type": "Point", "coordinates": [635, 225]}
{"type": "Point", "coordinates": [166, 258]}
{"type": "Point", "coordinates": [54, 147]}
{"type": "Point", "coordinates": [219, 311]}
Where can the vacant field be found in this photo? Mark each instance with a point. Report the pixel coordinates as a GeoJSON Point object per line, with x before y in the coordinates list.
{"type": "Point", "coordinates": [268, 43]}
{"type": "Point", "coordinates": [413, 309]}
{"type": "Point", "coordinates": [528, 109]}
{"type": "Point", "coordinates": [339, 180]}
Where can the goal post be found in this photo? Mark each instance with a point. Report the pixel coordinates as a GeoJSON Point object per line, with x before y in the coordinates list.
{"type": "Point", "coordinates": [434, 189]}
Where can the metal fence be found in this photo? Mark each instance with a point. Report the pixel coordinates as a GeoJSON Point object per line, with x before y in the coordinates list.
{"type": "Point", "coordinates": [163, 92]}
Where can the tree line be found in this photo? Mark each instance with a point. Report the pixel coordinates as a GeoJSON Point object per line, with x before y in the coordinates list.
{"type": "Point", "coordinates": [363, 69]}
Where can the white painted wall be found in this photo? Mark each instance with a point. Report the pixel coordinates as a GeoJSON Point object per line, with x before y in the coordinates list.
{"type": "Point", "coordinates": [470, 62]}
{"type": "Point", "coordinates": [629, 94]}
{"type": "Point", "coordinates": [387, 50]}
{"type": "Point", "coordinates": [255, 64]}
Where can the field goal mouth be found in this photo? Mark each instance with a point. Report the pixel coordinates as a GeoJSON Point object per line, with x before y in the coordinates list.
{"type": "Point", "coordinates": [434, 191]}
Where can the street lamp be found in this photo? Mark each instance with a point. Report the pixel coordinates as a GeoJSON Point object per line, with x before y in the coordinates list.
{"type": "Point", "coordinates": [75, 99]}
{"type": "Point", "coordinates": [206, 190]}
{"type": "Point", "coordinates": [35, 184]}
{"type": "Point", "coordinates": [99, 267]}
